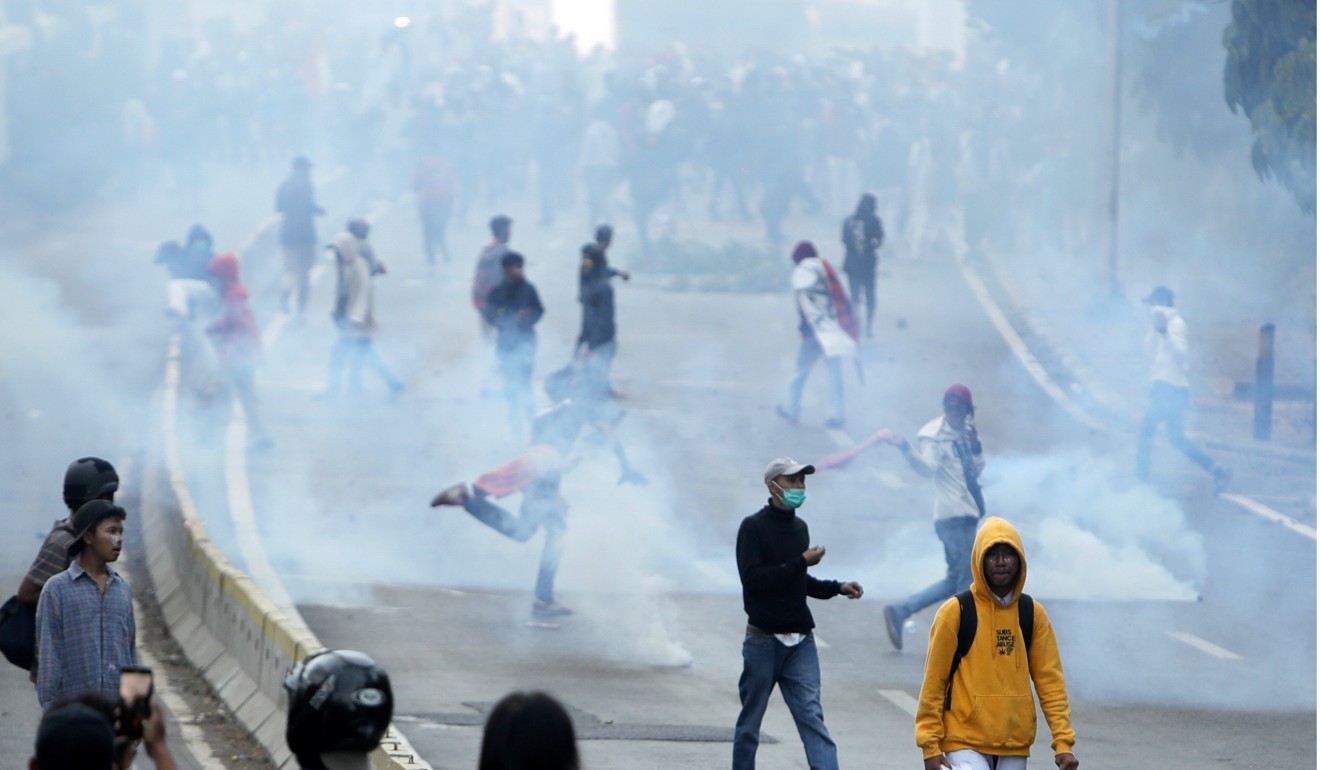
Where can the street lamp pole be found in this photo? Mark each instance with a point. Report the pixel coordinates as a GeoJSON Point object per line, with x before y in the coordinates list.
{"type": "Point", "coordinates": [1115, 151]}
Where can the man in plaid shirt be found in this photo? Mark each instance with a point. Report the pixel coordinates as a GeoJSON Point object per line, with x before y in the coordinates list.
{"type": "Point", "coordinates": [85, 627]}
{"type": "Point", "coordinates": [87, 478]}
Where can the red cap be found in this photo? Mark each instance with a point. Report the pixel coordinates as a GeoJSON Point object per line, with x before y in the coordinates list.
{"type": "Point", "coordinates": [960, 392]}
{"type": "Point", "coordinates": [803, 250]}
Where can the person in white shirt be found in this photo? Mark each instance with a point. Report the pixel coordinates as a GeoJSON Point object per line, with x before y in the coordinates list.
{"type": "Point", "coordinates": [948, 451]}
{"type": "Point", "coordinates": [827, 326]}
{"type": "Point", "coordinates": [1166, 341]}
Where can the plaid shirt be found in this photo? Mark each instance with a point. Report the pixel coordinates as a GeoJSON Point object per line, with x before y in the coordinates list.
{"type": "Point", "coordinates": [53, 558]}
{"type": "Point", "coordinates": [84, 636]}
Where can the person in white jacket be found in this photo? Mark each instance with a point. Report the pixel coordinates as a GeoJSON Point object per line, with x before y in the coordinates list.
{"type": "Point", "coordinates": [354, 312]}
{"type": "Point", "coordinates": [947, 450]}
{"type": "Point", "coordinates": [819, 296]}
{"type": "Point", "coordinates": [1166, 341]}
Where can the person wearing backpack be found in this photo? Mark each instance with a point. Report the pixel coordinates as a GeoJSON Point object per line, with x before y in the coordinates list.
{"type": "Point", "coordinates": [86, 479]}
{"type": "Point", "coordinates": [988, 646]}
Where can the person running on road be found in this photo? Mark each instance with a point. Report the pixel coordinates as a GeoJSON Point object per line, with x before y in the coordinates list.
{"type": "Point", "coordinates": [948, 450]}
{"type": "Point", "coordinates": [513, 307]}
{"type": "Point", "coordinates": [1166, 341]}
{"type": "Point", "coordinates": [863, 235]}
{"type": "Point", "coordinates": [296, 202]}
{"type": "Point", "coordinates": [355, 312]}
{"type": "Point", "coordinates": [774, 552]}
{"type": "Point", "coordinates": [537, 473]}
{"type": "Point", "coordinates": [981, 715]}
{"type": "Point", "coordinates": [828, 329]}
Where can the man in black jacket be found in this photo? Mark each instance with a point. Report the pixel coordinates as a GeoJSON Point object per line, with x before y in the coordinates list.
{"type": "Point", "coordinates": [779, 649]}
{"type": "Point", "coordinates": [513, 307]}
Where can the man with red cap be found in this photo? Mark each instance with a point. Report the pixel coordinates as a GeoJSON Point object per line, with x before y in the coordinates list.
{"type": "Point", "coordinates": [828, 329]}
{"type": "Point", "coordinates": [947, 450]}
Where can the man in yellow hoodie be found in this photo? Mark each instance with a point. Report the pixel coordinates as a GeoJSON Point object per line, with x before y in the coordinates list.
{"type": "Point", "coordinates": [983, 717]}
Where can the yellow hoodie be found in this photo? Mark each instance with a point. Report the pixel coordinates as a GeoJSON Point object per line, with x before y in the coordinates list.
{"type": "Point", "coordinates": [992, 710]}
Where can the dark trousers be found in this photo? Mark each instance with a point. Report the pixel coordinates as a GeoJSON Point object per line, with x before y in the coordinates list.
{"type": "Point", "coordinates": [863, 284]}
{"type": "Point", "coordinates": [537, 512]}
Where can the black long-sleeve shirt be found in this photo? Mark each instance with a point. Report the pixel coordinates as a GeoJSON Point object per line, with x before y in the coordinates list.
{"type": "Point", "coordinates": [774, 573]}
{"type": "Point", "coordinates": [505, 306]}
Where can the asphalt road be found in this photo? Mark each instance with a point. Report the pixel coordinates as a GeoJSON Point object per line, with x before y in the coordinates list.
{"type": "Point", "coordinates": [1187, 626]}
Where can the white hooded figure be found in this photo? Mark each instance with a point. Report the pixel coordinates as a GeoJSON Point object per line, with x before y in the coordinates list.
{"type": "Point", "coordinates": [823, 334]}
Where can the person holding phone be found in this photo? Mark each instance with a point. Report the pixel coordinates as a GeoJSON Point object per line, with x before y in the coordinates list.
{"type": "Point", "coordinates": [947, 450]}
{"type": "Point", "coordinates": [86, 632]}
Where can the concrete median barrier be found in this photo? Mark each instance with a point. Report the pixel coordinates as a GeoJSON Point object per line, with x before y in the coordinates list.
{"type": "Point", "coordinates": [228, 628]}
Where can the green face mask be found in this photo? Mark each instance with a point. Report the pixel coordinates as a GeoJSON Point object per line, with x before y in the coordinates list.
{"type": "Point", "coordinates": [792, 498]}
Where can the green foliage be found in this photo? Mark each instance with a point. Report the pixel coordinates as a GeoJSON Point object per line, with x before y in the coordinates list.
{"type": "Point", "coordinates": [1270, 75]}
{"type": "Point", "coordinates": [736, 266]}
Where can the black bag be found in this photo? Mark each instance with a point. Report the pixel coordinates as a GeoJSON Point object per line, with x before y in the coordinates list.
{"type": "Point", "coordinates": [18, 632]}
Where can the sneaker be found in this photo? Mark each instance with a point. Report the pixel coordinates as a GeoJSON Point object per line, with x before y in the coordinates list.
{"type": "Point", "coordinates": [834, 422]}
{"type": "Point", "coordinates": [782, 412]}
{"type": "Point", "coordinates": [894, 627]}
{"type": "Point", "coordinates": [1222, 477]}
{"type": "Point", "coordinates": [550, 609]}
{"type": "Point", "coordinates": [455, 495]}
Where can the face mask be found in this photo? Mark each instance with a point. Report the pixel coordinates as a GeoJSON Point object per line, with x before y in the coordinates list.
{"type": "Point", "coordinates": [792, 498]}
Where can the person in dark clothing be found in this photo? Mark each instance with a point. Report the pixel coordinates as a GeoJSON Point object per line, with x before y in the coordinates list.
{"type": "Point", "coordinates": [774, 553]}
{"type": "Point", "coordinates": [433, 185]}
{"type": "Point", "coordinates": [863, 234]}
{"type": "Point", "coordinates": [596, 343]}
{"type": "Point", "coordinates": [513, 307]}
{"type": "Point", "coordinates": [296, 202]}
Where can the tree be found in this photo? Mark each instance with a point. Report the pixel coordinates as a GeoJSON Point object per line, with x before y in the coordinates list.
{"type": "Point", "coordinates": [1270, 75]}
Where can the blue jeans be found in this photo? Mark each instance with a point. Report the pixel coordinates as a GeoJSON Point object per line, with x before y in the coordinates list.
{"type": "Point", "coordinates": [766, 663]}
{"type": "Point", "coordinates": [1168, 405]}
{"type": "Point", "coordinates": [540, 510]}
{"type": "Point", "coordinates": [807, 357]}
{"type": "Point", "coordinates": [957, 534]}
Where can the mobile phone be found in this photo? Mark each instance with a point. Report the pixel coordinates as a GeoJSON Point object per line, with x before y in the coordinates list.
{"type": "Point", "coordinates": [135, 691]}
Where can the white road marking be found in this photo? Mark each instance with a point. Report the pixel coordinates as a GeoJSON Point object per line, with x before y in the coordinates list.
{"type": "Point", "coordinates": [243, 514]}
{"type": "Point", "coordinates": [1208, 648]}
{"type": "Point", "coordinates": [1019, 348]}
{"type": "Point", "coordinates": [905, 702]}
{"type": "Point", "coordinates": [821, 643]}
{"type": "Point", "coordinates": [1260, 509]}
{"type": "Point", "coordinates": [842, 439]}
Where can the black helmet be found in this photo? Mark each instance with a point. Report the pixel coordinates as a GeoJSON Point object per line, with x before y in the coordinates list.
{"type": "Point", "coordinates": [89, 478]}
{"type": "Point", "coordinates": [339, 700]}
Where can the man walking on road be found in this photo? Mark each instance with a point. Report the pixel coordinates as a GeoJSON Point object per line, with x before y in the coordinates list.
{"type": "Point", "coordinates": [828, 329]}
{"type": "Point", "coordinates": [1166, 341]}
{"type": "Point", "coordinates": [862, 237]}
{"type": "Point", "coordinates": [513, 307]}
{"type": "Point", "coordinates": [85, 627]}
{"type": "Point", "coordinates": [774, 553]}
{"type": "Point", "coordinates": [356, 266]}
{"type": "Point", "coordinates": [948, 450]}
{"type": "Point", "coordinates": [296, 203]}
{"type": "Point", "coordinates": [975, 711]}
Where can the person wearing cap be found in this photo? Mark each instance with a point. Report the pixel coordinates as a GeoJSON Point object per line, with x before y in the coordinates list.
{"type": "Point", "coordinates": [296, 203]}
{"type": "Point", "coordinates": [85, 627]}
{"type": "Point", "coordinates": [74, 736]}
{"type": "Point", "coordinates": [947, 451]}
{"type": "Point", "coordinates": [87, 478]}
{"type": "Point", "coordinates": [774, 552]}
{"type": "Point", "coordinates": [1166, 342]}
{"type": "Point", "coordinates": [828, 328]}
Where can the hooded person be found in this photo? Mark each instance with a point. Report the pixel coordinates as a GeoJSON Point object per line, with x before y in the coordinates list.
{"type": "Point", "coordinates": [237, 341]}
{"type": "Point", "coordinates": [828, 329]}
{"type": "Point", "coordinates": [596, 342]}
{"type": "Point", "coordinates": [978, 712]}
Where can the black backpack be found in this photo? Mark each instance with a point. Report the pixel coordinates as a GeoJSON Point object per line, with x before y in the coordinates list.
{"type": "Point", "coordinates": [967, 632]}
{"type": "Point", "coordinates": [18, 632]}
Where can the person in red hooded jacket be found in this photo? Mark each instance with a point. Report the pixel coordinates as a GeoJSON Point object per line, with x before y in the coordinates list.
{"type": "Point", "coordinates": [237, 341]}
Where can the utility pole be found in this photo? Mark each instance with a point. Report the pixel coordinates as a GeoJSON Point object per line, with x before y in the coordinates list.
{"type": "Point", "coordinates": [1115, 147]}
